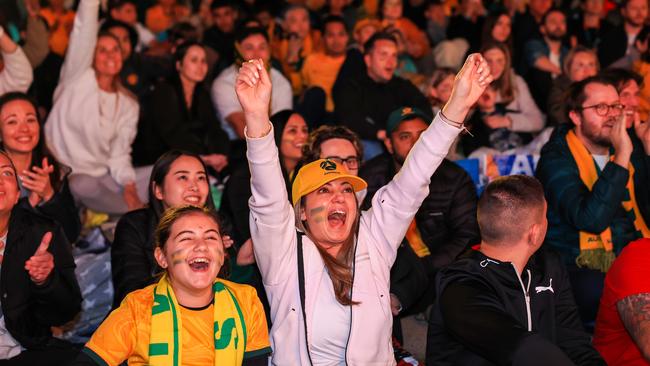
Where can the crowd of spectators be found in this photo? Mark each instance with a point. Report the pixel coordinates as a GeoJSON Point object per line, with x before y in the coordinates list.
{"type": "Point", "coordinates": [116, 115]}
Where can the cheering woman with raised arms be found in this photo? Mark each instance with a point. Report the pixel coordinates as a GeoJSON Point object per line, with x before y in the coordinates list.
{"type": "Point", "coordinates": [328, 282]}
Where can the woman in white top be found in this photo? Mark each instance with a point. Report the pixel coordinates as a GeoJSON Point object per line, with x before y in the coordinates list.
{"type": "Point", "coordinates": [94, 120]}
{"type": "Point", "coordinates": [16, 73]}
{"type": "Point", "coordinates": [523, 114]}
{"type": "Point", "coordinates": [329, 287]}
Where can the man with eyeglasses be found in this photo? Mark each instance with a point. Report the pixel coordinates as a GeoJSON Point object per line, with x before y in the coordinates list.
{"type": "Point", "coordinates": [596, 184]}
{"type": "Point", "coordinates": [444, 226]}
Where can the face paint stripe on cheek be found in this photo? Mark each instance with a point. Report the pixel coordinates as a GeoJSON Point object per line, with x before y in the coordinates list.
{"type": "Point", "coordinates": [318, 214]}
{"type": "Point", "coordinates": [178, 257]}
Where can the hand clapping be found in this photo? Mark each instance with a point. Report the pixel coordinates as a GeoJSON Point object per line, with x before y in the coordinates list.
{"type": "Point", "coordinates": [38, 182]}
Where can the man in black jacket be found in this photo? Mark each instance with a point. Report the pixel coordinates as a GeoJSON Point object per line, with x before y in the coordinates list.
{"type": "Point", "coordinates": [38, 287]}
{"type": "Point", "coordinates": [619, 41]}
{"type": "Point", "coordinates": [363, 103]}
{"type": "Point", "coordinates": [505, 302]}
{"type": "Point", "coordinates": [443, 227]}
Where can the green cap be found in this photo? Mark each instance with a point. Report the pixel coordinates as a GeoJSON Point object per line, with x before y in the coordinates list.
{"type": "Point", "coordinates": [404, 114]}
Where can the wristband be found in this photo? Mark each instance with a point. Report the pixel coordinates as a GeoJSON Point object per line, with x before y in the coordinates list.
{"type": "Point", "coordinates": [458, 125]}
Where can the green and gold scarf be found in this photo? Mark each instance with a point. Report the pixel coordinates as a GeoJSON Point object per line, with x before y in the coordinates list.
{"type": "Point", "coordinates": [165, 343]}
{"type": "Point", "coordinates": [596, 249]}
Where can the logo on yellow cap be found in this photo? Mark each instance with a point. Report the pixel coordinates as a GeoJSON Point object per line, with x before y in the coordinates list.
{"type": "Point", "coordinates": [328, 165]}
{"type": "Point", "coordinates": [407, 110]}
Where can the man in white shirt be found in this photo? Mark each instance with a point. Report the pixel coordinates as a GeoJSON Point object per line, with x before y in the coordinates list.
{"type": "Point", "coordinates": [250, 43]}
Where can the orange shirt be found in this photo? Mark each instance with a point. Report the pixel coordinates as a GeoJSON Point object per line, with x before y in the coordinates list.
{"type": "Point", "coordinates": [157, 20]}
{"type": "Point", "coordinates": [412, 34]}
{"type": "Point", "coordinates": [321, 70]}
{"type": "Point", "coordinates": [124, 335]}
{"type": "Point", "coordinates": [60, 25]}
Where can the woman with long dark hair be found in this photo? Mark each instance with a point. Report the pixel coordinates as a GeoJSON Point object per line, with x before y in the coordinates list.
{"type": "Point", "coordinates": [43, 180]}
{"type": "Point", "coordinates": [179, 114]}
{"type": "Point", "coordinates": [506, 115]}
{"type": "Point", "coordinates": [326, 265]}
{"type": "Point", "coordinates": [178, 178]}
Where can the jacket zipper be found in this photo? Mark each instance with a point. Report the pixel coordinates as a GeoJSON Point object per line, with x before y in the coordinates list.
{"type": "Point", "coordinates": [526, 296]}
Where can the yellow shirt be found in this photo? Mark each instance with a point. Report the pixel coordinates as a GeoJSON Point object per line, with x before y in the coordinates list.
{"type": "Point", "coordinates": [124, 335]}
{"type": "Point", "coordinates": [321, 70]}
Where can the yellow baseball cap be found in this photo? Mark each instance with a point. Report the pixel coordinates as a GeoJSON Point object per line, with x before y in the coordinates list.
{"type": "Point", "coordinates": [313, 175]}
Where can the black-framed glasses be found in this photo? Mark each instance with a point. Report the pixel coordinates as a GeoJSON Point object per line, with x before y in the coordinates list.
{"type": "Point", "coordinates": [602, 109]}
{"type": "Point", "coordinates": [351, 162]}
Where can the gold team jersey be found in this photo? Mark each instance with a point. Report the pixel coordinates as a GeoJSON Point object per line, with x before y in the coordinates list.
{"type": "Point", "coordinates": [124, 335]}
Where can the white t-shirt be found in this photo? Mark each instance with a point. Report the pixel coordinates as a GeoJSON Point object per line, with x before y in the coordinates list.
{"type": "Point", "coordinates": [555, 60]}
{"type": "Point", "coordinates": [330, 327]}
{"type": "Point", "coordinates": [601, 160]}
{"type": "Point", "coordinates": [9, 347]}
{"type": "Point", "coordinates": [225, 99]}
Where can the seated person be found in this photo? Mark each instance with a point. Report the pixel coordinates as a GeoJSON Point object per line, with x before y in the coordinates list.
{"type": "Point", "coordinates": [522, 113]}
{"type": "Point", "coordinates": [543, 56]}
{"type": "Point", "coordinates": [484, 138]}
{"type": "Point", "coordinates": [392, 15]}
{"type": "Point", "coordinates": [221, 36]}
{"type": "Point", "coordinates": [295, 41]}
{"type": "Point", "coordinates": [60, 22]}
{"type": "Point", "coordinates": [15, 69]}
{"type": "Point", "coordinates": [178, 178]}
{"type": "Point", "coordinates": [189, 316]}
{"type": "Point", "coordinates": [39, 286]}
{"type": "Point", "coordinates": [468, 23]}
{"type": "Point", "coordinates": [290, 133]}
{"type": "Point", "coordinates": [127, 11]}
{"type": "Point", "coordinates": [622, 334]}
{"type": "Point", "coordinates": [363, 102]}
{"type": "Point", "coordinates": [251, 43]}
{"type": "Point", "coordinates": [628, 85]}
{"type": "Point", "coordinates": [595, 176]}
{"type": "Point", "coordinates": [162, 16]}
{"type": "Point", "coordinates": [444, 226]}
{"type": "Point", "coordinates": [321, 69]}
{"type": "Point", "coordinates": [140, 71]}
{"type": "Point", "coordinates": [43, 180]}
{"type": "Point", "coordinates": [180, 115]}
{"type": "Point", "coordinates": [618, 40]}
{"type": "Point", "coordinates": [506, 302]}
{"type": "Point", "coordinates": [94, 120]}
{"type": "Point", "coordinates": [579, 64]}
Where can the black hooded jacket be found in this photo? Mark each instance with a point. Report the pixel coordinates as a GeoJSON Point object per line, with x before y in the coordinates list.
{"type": "Point", "coordinates": [486, 314]}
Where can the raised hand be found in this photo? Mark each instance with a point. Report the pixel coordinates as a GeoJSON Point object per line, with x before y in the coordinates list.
{"type": "Point", "coordinates": [253, 88]}
{"type": "Point", "coordinates": [41, 264]}
{"type": "Point", "coordinates": [38, 182]}
{"type": "Point", "coordinates": [469, 84]}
